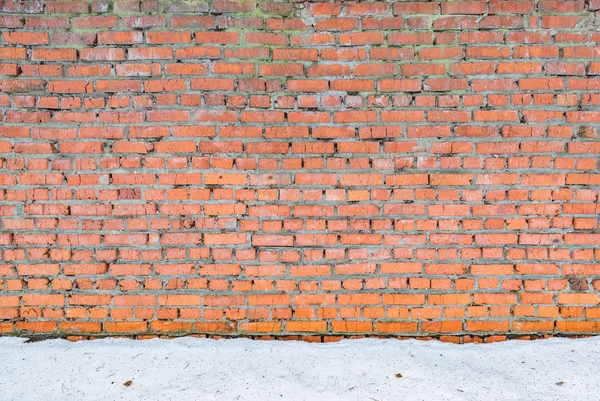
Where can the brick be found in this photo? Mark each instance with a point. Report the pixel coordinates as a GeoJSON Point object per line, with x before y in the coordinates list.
{"type": "Point", "coordinates": [43, 299]}
{"type": "Point", "coordinates": [464, 7]}
{"type": "Point", "coordinates": [217, 37]}
{"type": "Point", "coordinates": [125, 327]}
{"type": "Point", "coordinates": [104, 54]}
{"type": "Point", "coordinates": [26, 38]}
{"type": "Point", "coordinates": [54, 54]}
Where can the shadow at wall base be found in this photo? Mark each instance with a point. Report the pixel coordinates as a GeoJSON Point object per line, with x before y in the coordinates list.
{"type": "Point", "coordinates": [455, 339]}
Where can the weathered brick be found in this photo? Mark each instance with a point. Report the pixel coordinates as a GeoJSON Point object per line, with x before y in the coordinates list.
{"type": "Point", "coordinates": [164, 170]}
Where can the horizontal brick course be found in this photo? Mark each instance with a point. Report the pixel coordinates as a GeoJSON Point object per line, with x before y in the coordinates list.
{"type": "Point", "coordinates": [299, 168]}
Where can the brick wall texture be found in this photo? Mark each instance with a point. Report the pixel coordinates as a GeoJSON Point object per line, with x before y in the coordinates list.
{"type": "Point", "coordinates": [300, 168]}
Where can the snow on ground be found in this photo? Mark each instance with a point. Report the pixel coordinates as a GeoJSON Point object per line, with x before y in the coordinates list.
{"type": "Point", "coordinates": [241, 369]}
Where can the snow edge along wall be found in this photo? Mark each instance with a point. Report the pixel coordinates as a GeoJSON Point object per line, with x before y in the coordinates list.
{"type": "Point", "coordinates": [299, 168]}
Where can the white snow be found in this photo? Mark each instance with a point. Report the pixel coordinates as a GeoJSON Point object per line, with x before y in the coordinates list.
{"type": "Point", "coordinates": [240, 369]}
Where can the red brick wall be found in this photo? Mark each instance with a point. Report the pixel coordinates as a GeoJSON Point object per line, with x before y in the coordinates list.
{"type": "Point", "coordinates": [299, 168]}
